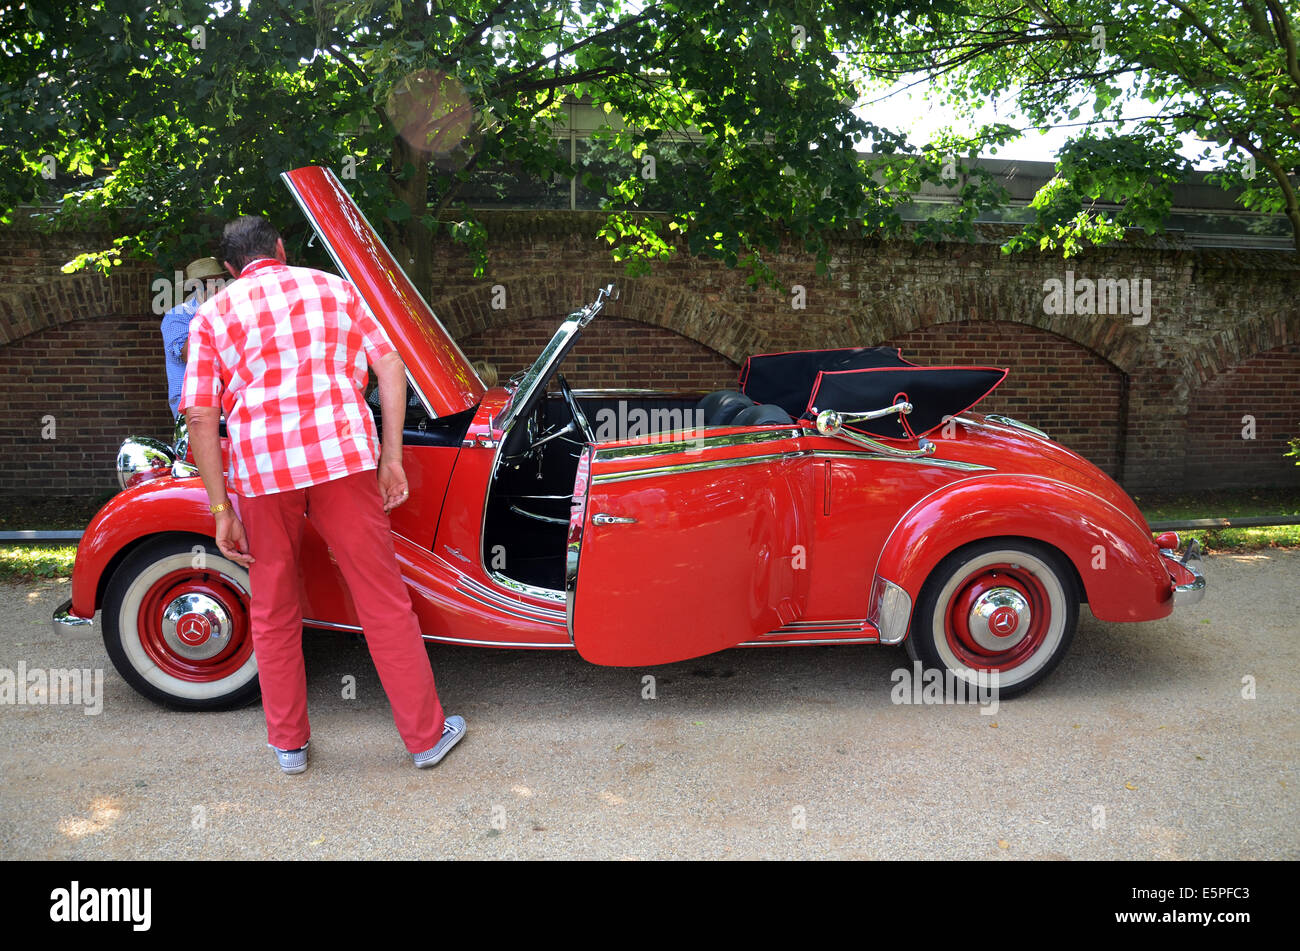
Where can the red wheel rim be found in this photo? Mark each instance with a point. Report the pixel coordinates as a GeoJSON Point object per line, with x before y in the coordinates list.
{"type": "Point", "coordinates": [150, 622]}
{"type": "Point", "coordinates": [980, 584]}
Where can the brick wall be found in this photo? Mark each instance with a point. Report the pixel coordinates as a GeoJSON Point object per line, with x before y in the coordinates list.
{"type": "Point", "coordinates": [1137, 400]}
{"type": "Point", "coordinates": [1267, 388]}
{"type": "Point", "coordinates": [100, 380]}
{"type": "Point", "coordinates": [611, 353]}
{"type": "Point", "coordinates": [1072, 395]}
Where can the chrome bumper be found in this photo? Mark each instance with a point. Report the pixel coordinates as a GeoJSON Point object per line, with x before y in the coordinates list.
{"type": "Point", "coordinates": [1191, 592]}
{"type": "Point", "coordinates": [64, 620]}
{"type": "Point", "coordinates": [1194, 590]}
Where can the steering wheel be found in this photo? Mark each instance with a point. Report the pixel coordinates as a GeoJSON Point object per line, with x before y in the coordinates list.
{"type": "Point", "coordinates": [579, 417]}
{"type": "Point", "coordinates": [537, 437]}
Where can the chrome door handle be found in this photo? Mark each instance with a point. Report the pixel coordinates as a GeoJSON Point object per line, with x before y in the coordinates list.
{"type": "Point", "coordinates": [604, 518]}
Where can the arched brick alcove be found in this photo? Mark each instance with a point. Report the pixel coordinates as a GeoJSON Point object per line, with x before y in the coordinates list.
{"type": "Point", "coordinates": [516, 300]}
{"type": "Point", "coordinates": [613, 352]}
{"type": "Point", "coordinates": [1054, 383]}
{"type": "Point", "coordinates": [1240, 420]}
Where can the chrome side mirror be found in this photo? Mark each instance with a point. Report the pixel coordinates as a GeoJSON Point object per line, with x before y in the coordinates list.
{"type": "Point", "coordinates": [607, 293]}
{"type": "Point", "coordinates": [831, 423]}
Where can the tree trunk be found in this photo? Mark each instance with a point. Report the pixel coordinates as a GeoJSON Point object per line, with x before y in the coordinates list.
{"type": "Point", "coordinates": [414, 246]}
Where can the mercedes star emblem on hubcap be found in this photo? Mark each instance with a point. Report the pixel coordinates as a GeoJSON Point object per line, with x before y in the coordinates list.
{"type": "Point", "coordinates": [193, 629]}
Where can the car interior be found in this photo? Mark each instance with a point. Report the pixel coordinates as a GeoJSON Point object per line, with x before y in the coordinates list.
{"type": "Point", "coordinates": [529, 500]}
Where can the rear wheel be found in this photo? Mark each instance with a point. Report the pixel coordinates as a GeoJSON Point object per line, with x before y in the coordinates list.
{"type": "Point", "coordinates": [1008, 606]}
{"type": "Point", "coordinates": [176, 625]}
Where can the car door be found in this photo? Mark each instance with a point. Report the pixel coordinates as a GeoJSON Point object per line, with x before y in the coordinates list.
{"type": "Point", "coordinates": [685, 556]}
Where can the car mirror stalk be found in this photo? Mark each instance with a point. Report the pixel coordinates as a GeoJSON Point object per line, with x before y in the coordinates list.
{"type": "Point", "coordinates": [831, 423]}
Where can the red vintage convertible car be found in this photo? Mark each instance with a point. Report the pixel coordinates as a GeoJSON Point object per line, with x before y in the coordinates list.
{"type": "Point", "coordinates": [836, 497]}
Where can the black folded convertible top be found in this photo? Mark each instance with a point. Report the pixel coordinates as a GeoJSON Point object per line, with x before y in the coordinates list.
{"type": "Point", "coordinates": [861, 379]}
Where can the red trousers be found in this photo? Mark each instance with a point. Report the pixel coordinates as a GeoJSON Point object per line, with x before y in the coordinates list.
{"type": "Point", "coordinates": [349, 515]}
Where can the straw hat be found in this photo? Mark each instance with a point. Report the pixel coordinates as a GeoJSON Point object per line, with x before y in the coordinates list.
{"type": "Point", "coordinates": [204, 268]}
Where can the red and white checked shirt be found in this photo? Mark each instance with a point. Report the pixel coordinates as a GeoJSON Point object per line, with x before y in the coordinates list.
{"type": "Point", "coordinates": [283, 351]}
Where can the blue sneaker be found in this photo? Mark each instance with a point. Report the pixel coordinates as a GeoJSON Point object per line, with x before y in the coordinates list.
{"type": "Point", "coordinates": [291, 761]}
{"type": "Point", "coordinates": [453, 728]}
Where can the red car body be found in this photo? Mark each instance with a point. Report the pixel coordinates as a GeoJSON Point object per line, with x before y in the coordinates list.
{"type": "Point", "coordinates": [664, 548]}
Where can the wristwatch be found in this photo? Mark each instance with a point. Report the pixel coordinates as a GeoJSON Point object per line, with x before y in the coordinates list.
{"type": "Point", "coordinates": [219, 507]}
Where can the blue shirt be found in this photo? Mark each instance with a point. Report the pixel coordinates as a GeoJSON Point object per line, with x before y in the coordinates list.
{"type": "Point", "coordinates": [175, 332]}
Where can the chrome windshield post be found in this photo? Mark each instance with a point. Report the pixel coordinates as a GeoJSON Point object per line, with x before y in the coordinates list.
{"type": "Point", "coordinates": [831, 423]}
{"type": "Point", "coordinates": [551, 356]}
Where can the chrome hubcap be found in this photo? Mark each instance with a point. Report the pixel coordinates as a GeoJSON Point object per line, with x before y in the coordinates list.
{"type": "Point", "coordinates": [999, 619]}
{"type": "Point", "coordinates": [197, 626]}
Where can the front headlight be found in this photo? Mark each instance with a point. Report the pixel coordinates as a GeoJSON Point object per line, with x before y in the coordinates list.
{"type": "Point", "coordinates": [181, 438]}
{"type": "Point", "coordinates": [142, 458]}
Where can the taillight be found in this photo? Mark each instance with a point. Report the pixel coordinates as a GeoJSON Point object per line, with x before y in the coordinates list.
{"type": "Point", "coordinates": [1168, 540]}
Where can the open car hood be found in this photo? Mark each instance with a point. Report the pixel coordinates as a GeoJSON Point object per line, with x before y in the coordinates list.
{"type": "Point", "coordinates": [436, 367]}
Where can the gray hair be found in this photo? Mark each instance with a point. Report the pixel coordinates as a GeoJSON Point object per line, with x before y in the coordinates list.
{"type": "Point", "coordinates": [247, 239]}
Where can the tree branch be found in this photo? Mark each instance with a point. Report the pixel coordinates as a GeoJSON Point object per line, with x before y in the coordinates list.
{"type": "Point", "coordinates": [1281, 25]}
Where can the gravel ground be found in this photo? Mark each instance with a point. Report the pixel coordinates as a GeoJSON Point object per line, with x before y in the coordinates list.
{"type": "Point", "coordinates": [1140, 746]}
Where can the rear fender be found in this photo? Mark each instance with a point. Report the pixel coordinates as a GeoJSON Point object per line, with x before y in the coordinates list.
{"type": "Point", "coordinates": [1116, 561]}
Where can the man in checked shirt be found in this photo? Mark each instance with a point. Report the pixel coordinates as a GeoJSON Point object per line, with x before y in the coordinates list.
{"type": "Point", "coordinates": [284, 351]}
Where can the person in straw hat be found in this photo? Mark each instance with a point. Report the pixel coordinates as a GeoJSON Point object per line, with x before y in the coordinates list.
{"type": "Point", "coordinates": [206, 277]}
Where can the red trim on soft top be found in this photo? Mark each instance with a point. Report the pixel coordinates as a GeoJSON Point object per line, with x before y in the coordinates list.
{"type": "Point", "coordinates": [744, 367]}
{"type": "Point", "coordinates": [817, 383]}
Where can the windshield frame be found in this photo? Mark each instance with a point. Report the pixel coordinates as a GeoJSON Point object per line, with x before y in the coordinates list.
{"type": "Point", "coordinates": [533, 383]}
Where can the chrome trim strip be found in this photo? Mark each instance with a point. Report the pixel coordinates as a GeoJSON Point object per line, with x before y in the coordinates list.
{"type": "Point", "coordinates": [840, 626]}
{"type": "Point", "coordinates": [302, 206]}
{"type": "Point", "coordinates": [1016, 424]}
{"type": "Point", "coordinates": [331, 626]}
{"type": "Point", "coordinates": [550, 594]}
{"type": "Point", "coordinates": [519, 587]}
{"type": "Point", "coordinates": [877, 457]}
{"type": "Point", "coordinates": [541, 518]}
{"type": "Point", "coordinates": [612, 392]}
{"type": "Point", "coordinates": [829, 623]}
{"type": "Point", "coordinates": [721, 463]}
{"type": "Point", "coordinates": [681, 467]}
{"type": "Point", "coordinates": [513, 612]}
{"type": "Point", "coordinates": [516, 608]}
{"type": "Point", "coordinates": [695, 466]}
{"type": "Point", "coordinates": [446, 639]}
{"type": "Point", "coordinates": [697, 443]}
{"type": "Point", "coordinates": [64, 621]}
{"type": "Point", "coordinates": [837, 640]}
{"type": "Point", "coordinates": [443, 638]}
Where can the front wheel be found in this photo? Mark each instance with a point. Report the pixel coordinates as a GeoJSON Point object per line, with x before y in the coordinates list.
{"type": "Point", "coordinates": [176, 625]}
{"type": "Point", "coordinates": [1008, 606]}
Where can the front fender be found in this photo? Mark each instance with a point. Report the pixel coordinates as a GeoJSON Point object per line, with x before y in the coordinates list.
{"type": "Point", "coordinates": [1117, 561]}
{"type": "Point", "coordinates": [165, 504]}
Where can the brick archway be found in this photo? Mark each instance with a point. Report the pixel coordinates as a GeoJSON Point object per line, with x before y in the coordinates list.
{"type": "Point", "coordinates": [1115, 340]}
{"type": "Point", "coordinates": [1235, 345]}
{"type": "Point", "coordinates": [1240, 421]}
{"type": "Point", "coordinates": [31, 308]}
{"type": "Point", "coordinates": [644, 300]}
{"type": "Point", "coordinates": [1055, 383]}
